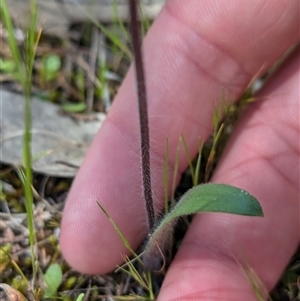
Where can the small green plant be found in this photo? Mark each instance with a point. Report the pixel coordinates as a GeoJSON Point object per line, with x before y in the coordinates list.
{"type": "Point", "coordinates": [53, 279]}
{"type": "Point", "coordinates": [7, 66]}
{"type": "Point", "coordinates": [51, 64]}
{"type": "Point", "coordinates": [203, 198]}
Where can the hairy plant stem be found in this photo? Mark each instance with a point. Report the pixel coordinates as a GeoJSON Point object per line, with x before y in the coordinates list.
{"type": "Point", "coordinates": [143, 112]}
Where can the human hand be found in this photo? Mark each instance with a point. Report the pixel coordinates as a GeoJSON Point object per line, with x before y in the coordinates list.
{"type": "Point", "coordinates": [191, 52]}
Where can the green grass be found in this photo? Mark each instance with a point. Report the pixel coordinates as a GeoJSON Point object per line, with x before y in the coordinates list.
{"type": "Point", "coordinates": [23, 74]}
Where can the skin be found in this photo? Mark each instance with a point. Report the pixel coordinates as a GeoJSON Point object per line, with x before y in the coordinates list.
{"type": "Point", "coordinates": [191, 52]}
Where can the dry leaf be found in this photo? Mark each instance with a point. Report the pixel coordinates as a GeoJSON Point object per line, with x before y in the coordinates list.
{"type": "Point", "coordinates": [11, 293]}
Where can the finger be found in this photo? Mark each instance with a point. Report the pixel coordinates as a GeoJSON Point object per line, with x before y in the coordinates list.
{"type": "Point", "coordinates": [191, 52]}
{"type": "Point", "coordinates": [263, 158]}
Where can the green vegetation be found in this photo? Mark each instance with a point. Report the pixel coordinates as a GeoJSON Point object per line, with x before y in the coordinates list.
{"type": "Point", "coordinates": [41, 273]}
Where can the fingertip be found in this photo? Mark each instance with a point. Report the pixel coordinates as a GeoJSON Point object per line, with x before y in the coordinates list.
{"type": "Point", "coordinates": [89, 241]}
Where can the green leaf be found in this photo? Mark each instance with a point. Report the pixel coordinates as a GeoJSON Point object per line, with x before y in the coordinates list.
{"type": "Point", "coordinates": [216, 198]}
{"type": "Point", "coordinates": [51, 66]}
{"type": "Point", "coordinates": [7, 65]}
{"type": "Point", "coordinates": [74, 107]}
{"type": "Point", "coordinates": [80, 297]}
{"type": "Point", "coordinates": [52, 278]}
{"type": "Point", "coordinates": [202, 198]}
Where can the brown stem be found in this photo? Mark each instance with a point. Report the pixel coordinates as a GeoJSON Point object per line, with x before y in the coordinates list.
{"type": "Point", "coordinates": [143, 112]}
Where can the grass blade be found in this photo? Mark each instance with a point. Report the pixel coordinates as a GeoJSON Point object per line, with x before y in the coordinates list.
{"type": "Point", "coordinates": [4, 12]}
